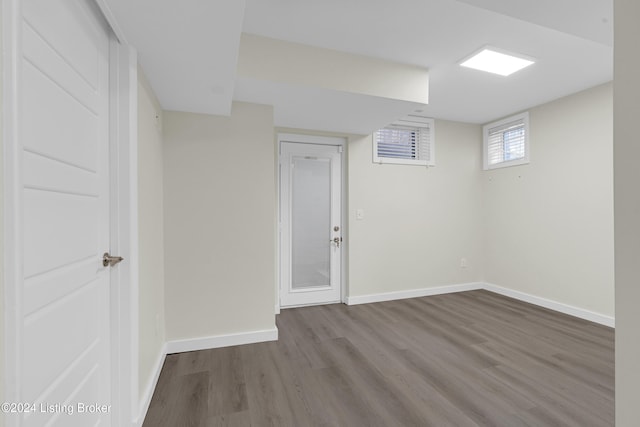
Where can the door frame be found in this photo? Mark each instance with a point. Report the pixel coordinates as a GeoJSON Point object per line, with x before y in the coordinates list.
{"type": "Point", "coordinates": [339, 141]}
{"type": "Point", "coordinates": [123, 213]}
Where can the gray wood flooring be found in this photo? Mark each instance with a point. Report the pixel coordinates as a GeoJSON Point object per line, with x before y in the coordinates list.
{"type": "Point", "coordinates": [466, 359]}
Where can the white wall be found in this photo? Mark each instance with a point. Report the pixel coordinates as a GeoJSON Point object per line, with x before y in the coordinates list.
{"type": "Point", "coordinates": [418, 222]}
{"type": "Point", "coordinates": [150, 233]}
{"type": "Point", "coordinates": [549, 224]}
{"type": "Point", "coordinates": [2, 349]}
{"type": "Point", "coordinates": [627, 210]}
{"type": "Point", "coordinates": [220, 205]}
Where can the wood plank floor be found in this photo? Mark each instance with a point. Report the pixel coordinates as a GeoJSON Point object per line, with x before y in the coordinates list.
{"type": "Point", "coordinates": [466, 359]}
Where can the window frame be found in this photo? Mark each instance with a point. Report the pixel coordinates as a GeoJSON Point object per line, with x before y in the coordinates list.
{"type": "Point", "coordinates": [425, 124]}
{"type": "Point", "coordinates": [486, 131]}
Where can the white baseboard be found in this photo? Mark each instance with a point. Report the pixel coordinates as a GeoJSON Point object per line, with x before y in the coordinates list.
{"type": "Point", "coordinates": [145, 400]}
{"type": "Point", "coordinates": [413, 293]}
{"type": "Point", "coordinates": [179, 346]}
{"type": "Point", "coordinates": [553, 305]}
{"type": "Point", "coordinates": [543, 302]}
{"type": "Point", "coordinates": [216, 341]}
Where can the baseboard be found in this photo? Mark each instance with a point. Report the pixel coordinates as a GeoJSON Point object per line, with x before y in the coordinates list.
{"type": "Point", "coordinates": [216, 341]}
{"type": "Point", "coordinates": [145, 400]}
{"type": "Point", "coordinates": [543, 302]}
{"type": "Point", "coordinates": [553, 305]}
{"type": "Point", "coordinates": [413, 293]}
{"type": "Point", "coordinates": [179, 346]}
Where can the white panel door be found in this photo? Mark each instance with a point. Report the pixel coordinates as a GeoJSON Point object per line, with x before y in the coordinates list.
{"type": "Point", "coordinates": [64, 129]}
{"type": "Point", "coordinates": [310, 228]}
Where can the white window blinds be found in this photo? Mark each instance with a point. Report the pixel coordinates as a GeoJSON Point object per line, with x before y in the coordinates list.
{"type": "Point", "coordinates": [404, 144]}
{"type": "Point", "coordinates": [506, 142]}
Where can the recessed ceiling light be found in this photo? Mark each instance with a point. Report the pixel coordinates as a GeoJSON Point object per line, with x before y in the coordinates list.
{"type": "Point", "coordinates": [492, 61]}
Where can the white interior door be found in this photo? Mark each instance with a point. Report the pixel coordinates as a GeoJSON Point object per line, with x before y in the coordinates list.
{"type": "Point", "coordinates": [311, 228]}
{"type": "Point", "coordinates": [64, 129]}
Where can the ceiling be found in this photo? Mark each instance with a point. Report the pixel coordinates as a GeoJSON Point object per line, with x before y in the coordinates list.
{"type": "Point", "coordinates": [189, 51]}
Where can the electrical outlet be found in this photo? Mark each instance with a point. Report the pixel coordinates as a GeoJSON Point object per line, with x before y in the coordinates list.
{"type": "Point", "coordinates": [463, 263]}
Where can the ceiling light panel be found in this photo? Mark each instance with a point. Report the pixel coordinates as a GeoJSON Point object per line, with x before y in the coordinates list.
{"type": "Point", "coordinates": [493, 61]}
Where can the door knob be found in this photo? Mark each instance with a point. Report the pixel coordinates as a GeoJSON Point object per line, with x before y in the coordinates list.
{"type": "Point", "coordinates": [108, 260]}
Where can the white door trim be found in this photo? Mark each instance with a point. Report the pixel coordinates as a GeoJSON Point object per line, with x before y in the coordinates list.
{"type": "Point", "coordinates": [123, 170]}
{"type": "Point", "coordinates": [12, 203]}
{"type": "Point", "coordinates": [124, 229]}
{"type": "Point", "coordinates": [318, 140]}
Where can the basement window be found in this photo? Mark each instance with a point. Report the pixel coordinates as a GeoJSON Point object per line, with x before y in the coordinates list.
{"type": "Point", "coordinates": [506, 142]}
{"type": "Point", "coordinates": [407, 142]}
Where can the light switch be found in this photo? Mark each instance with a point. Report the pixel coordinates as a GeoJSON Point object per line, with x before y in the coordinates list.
{"type": "Point", "coordinates": [359, 214]}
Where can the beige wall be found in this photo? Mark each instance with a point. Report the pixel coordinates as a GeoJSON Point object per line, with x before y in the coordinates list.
{"type": "Point", "coordinates": [150, 232]}
{"type": "Point", "coordinates": [549, 225]}
{"type": "Point", "coordinates": [292, 63]}
{"type": "Point", "coordinates": [627, 210]}
{"type": "Point", "coordinates": [418, 222]}
{"type": "Point", "coordinates": [220, 205]}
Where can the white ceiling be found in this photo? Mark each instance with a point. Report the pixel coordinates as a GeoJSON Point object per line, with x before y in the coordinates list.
{"type": "Point", "coordinates": [189, 51]}
{"type": "Point", "coordinates": [568, 38]}
{"type": "Point", "coordinates": [592, 20]}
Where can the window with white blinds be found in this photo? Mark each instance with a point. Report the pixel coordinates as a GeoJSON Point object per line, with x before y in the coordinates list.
{"type": "Point", "coordinates": [506, 142]}
{"type": "Point", "coordinates": [402, 144]}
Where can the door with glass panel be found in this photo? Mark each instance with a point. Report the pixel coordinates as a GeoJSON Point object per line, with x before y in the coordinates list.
{"type": "Point", "coordinates": [311, 238]}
